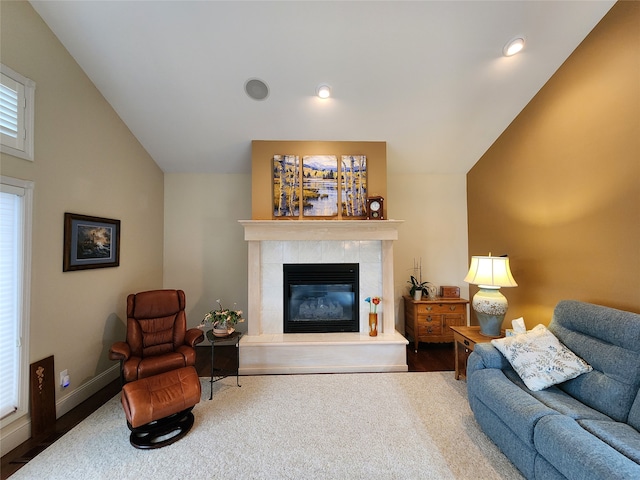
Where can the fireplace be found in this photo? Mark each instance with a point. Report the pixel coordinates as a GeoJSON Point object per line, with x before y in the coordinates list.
{"type": "Point", "coordinates": [267, 349]}
{"type": "Point", "coordinates": [321, 298]}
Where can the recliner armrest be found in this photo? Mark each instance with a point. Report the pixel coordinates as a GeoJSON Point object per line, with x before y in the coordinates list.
{"type": "Point", "coordinates": [119, 351]}
{"type": "Point", "coordinates": [485, 355]}
{"type": "Point", "coordinates": [193, 337]}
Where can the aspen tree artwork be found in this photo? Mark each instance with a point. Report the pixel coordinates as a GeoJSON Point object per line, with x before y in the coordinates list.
{"type": "Point", "coordinates": [354, 185]}
{"type": "Point", "coordinates": [319, 186]}
{"type": "Point", "coordinates": [286, 185]}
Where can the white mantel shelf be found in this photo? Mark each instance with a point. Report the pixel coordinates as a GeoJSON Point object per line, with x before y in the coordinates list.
{"type": "Point", "coordinates": [257, 230]}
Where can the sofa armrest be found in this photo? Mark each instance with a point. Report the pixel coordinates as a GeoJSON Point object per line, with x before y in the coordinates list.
{"type": "Point", "coordinates": [119, 351]}
{"type": "Point", "coordinates": [193, 337]}
{"type": "Point", "coordinates": [485, 355]}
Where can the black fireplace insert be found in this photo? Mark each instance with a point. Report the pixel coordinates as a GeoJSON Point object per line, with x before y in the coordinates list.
{"type": "Point", "coordinates": [321, 297]}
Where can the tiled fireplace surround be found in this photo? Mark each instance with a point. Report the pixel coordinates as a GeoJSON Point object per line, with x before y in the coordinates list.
{"type": "Point", "coordinates": [271, 243]}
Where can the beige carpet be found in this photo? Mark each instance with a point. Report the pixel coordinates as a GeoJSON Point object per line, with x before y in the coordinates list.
{"type": "Point", "coordinates": [346, 426]}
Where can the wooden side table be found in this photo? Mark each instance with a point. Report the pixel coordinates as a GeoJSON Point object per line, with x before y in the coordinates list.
{"type": "Point", "coordinates": [465, 338]}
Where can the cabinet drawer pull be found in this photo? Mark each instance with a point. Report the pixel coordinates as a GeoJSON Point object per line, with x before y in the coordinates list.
{"type": "Point", "coordinates": [452, 308]}
{"type": "Point", "coordinates": [429, 319]}
{"type": "Point", "coordinates": [466, 342]}
{"type": "Point", "coordinates": [429, 308]}
{"type": "Point", "coordinates": [429, 330]}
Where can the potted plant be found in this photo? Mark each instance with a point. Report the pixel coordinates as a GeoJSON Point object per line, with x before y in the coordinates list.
{"type": "Point", "coordinates": [222, 320]}
{"type": "Point", "coordinates": [417, 288]}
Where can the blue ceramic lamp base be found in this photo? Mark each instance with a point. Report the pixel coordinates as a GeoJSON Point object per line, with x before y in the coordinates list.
{"type": "Point", "coordinates": [490, 325]}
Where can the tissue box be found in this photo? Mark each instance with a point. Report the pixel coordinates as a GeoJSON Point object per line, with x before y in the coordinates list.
{"type": "Point", "coordinates": [449, 292]}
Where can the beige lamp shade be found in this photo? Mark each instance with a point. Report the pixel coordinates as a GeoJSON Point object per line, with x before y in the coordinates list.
{"type": "Point", "coordinates": [490, 272]}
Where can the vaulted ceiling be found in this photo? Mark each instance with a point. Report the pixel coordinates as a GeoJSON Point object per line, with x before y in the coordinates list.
{"type": "Point", "coordinates": [427, 77]}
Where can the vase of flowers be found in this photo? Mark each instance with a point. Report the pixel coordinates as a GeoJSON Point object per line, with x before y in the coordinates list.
{"type": "Point", "coordinates": [223, 320]}
{"type": "Point", "coordinates": [373, 315]}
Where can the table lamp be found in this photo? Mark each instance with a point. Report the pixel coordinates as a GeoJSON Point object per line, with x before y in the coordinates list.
{"type": "Point", "coordinates": [490, 273]}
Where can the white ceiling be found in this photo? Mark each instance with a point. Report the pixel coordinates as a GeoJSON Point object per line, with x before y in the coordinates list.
{"type": "Point", "coordinates": [427, 77]}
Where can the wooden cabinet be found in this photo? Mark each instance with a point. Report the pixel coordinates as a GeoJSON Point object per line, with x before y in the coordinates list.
{"type": "Point", "coordinates": [430, 320]}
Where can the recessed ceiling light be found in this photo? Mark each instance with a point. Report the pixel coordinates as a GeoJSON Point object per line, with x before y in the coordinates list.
{"type": "Point", "coordinates": [256, 89]}
{"type": "Point", "coordinates": [323, 91]}
{"type": "Point", "coordinates": [513, 46]}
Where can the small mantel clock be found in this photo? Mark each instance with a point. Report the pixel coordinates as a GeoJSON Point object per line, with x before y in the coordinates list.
{"type": "Point", "coordinates": [375, 208]}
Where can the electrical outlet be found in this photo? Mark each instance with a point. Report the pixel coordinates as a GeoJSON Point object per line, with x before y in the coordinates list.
{"type": "Point", "coordinates": [64, 378]}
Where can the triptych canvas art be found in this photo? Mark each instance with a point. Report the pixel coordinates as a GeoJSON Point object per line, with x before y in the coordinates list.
{"type": "Point", "coordinates": [321, 185]}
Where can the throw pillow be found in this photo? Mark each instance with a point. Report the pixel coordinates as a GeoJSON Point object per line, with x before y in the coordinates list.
{"type": "Point", "coordinates": [540, 358]}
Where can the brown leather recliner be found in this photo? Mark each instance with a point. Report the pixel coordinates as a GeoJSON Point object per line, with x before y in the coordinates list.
{"type": "Point", "coordinates": [157, 336]}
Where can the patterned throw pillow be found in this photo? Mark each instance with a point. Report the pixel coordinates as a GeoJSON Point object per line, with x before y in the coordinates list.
{"type": "Point", "coordinates": [540, 359]}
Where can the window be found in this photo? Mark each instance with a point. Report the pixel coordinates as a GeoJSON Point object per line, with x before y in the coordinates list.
{"type": "Point", "coordinates": [16, 113]}
{"type": "Point", "coordinates": [16, 198]}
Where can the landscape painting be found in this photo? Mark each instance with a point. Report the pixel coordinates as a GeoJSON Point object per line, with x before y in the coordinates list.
{"type": "Point", "coordinates": [353, 183]}
{"type": "Point", "coordinates": [90, 242]}
{"type": "Point", "coordinates": [286, 185]}
{"type": "Point", "coordinates": [320, 185]}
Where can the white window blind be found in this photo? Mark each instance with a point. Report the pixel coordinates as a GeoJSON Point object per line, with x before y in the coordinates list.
{"type": "Point", "coordinates": [15, 231]}
{"type": "Point", "coordinates": [10, 241]}
{"type": "Point", "coordinates": [16, 113]}
{"type": "Point", "coordinates": [11, 101]}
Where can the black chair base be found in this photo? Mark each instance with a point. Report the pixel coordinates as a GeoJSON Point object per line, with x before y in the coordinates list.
{"type": "Point", "coordinates": [163, 432]}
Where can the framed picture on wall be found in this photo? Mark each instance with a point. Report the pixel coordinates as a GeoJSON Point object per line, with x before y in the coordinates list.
{"type": "Point", "coordinates": [90, 242]}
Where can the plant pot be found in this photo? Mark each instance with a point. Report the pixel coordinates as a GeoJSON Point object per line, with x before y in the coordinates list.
{"type": "Point", "coordinates": [417, 295]}
{"type": "Point", "coordinates": [223, 332]}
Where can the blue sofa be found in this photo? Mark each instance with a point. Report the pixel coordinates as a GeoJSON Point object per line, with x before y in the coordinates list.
{"type": "Point", "coordinates": [584, 428]}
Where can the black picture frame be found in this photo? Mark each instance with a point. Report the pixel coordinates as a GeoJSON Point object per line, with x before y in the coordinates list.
{"type": "Point", "coordinates": [90, 242]}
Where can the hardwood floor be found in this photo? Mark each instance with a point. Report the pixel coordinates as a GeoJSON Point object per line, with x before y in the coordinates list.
{"type": "Point", "coordinates": [431, 357]}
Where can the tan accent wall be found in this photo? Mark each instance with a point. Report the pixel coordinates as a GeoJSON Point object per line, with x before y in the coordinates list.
{"type": "Point", "coordinates": [559, 191]}
{"type": "Point", "coordinates": [263, 151]}
{"type": "Point", "coordinates": [87, 162]}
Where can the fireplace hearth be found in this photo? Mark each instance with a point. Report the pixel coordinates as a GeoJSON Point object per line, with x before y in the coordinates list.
{"type": "Point", "coordinates": [321, 298]}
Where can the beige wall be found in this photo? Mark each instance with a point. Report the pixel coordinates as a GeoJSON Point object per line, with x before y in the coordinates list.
{"type": "Point", "coordinates": [204, 249]}
{"type": "Point", "coordinates": [434, 211]}
{"type": "Point", "coordinates": [88, 162]}
{"type": "Point", "coordinates": [559, 191]}
{"type": "Point", "coordinates": [206, 255]}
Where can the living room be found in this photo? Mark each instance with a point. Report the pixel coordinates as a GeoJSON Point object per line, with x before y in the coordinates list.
{"type": "Point", "coordinates": [557, 191]}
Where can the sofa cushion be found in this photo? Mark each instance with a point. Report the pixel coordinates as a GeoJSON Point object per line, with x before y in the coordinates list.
{"type": "Point", "coordinates": [540, 358]}
{"type": "Point", "coordinates": [620, 436]}
{"type": "Point", "coordinates": [576, 453]}
{"type": "Point", "coordinates": [609, 340]}
{"type": "Point", "coordinates": [558, 400]}
{"type": "Point", "coordinates": [634, 413]}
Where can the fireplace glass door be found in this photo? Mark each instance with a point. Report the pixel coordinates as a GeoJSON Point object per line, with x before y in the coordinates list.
{"type": "Point", "coordinates": [321, 298]}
